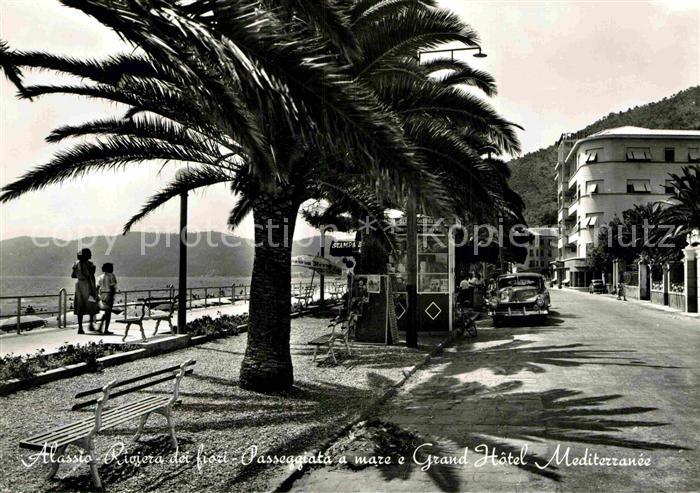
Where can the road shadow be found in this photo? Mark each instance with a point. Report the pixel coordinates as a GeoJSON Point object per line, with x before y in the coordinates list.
{"type": "Point", "coordinates": [453, 409]}
{"type": "Point", "coordinates": [514, 355]}
{"type": "Point", "coordinates": [501, 420]}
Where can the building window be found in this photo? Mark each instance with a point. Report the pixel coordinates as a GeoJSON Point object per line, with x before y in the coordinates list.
{"type": "Point", "coordinates": [669, 154]}
{"type": "Point", "coordinates": [532, 263]}
{"type": "Point", "coordinates": [638, 186]}
{"type": "Point", "coordinates": [594, 186]}
{"type": "Point", "coordinates": [592, 156]}
{"type": "Point", "coordinates": [638, 154]}
{"type": "Point", "coordinates": [694, 155]}
{"type": "Point", "coordinates": [592, 219]}
{"type": "Point", "coordinates": [669, 188]}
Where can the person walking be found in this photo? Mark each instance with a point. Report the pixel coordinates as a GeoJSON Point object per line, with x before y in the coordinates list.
{"type": "Point", "coordinates": [621, 292]}
{"type": "Point", "coordinates": [107, 286]}
{"type": "Point", "coordinates": [85, 299]}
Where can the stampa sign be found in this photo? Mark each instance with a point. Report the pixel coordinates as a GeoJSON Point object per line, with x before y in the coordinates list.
{"type": "Point", "coordinates": [345, 248]}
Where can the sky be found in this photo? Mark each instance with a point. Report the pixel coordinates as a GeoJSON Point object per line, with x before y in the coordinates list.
{"type": "Point", "coordinates": [559, 65]}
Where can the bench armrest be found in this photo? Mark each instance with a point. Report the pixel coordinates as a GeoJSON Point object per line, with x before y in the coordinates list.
{"type": "Point", "coordinates": [101, 403]}
{"type": "Point", "coordinates": [179, 375]}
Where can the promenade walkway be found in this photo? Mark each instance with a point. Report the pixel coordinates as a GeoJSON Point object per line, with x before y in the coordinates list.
{"type": "Point", "coordinates": [50, 339]}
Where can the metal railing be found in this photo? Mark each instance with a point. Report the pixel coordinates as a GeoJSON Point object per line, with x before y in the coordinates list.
{"type": "Point", "coordinates": [54, 307]}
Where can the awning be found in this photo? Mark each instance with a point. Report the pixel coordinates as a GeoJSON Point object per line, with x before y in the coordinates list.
{"type": "Point", "coordinates": [639, 154]}
{"type": "Point", "coordinates": [591, 221]}
{"type": "Point", "coordinates": [318, 264]}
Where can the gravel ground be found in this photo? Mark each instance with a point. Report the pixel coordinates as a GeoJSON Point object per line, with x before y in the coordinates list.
{"type": "Point", "coordinates": [216, 417]}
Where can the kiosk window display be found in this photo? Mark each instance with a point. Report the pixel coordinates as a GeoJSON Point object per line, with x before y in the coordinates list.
{"type": "Point", "coordinates": [435, 269]}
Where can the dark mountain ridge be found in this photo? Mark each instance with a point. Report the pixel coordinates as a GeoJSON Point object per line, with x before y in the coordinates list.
{"type": "Point", "coordinates": [139, 254]}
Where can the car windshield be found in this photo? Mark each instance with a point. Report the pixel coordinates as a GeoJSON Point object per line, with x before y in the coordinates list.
{"type": "Point", "coordinates": [509, 282]}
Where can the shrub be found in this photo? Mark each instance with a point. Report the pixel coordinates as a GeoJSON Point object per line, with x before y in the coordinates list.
{"type": "Point", "coordinates": [27, 366]}
{"type": "Point", "coordinates": [70, 354]}
{"type": "Point", "coordinates": [207, 325]}
{"type": "Point", "coordinates": [18, 367]}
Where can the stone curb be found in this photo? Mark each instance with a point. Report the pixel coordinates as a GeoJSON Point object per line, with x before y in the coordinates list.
{"type": "Point", "coordinates": [288, 481]}
{"type": "Point", "coordinates": [161, 346]}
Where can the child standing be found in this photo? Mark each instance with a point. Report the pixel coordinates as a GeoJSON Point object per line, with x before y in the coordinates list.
{"type": "Point", "coordinates": [107, 285]}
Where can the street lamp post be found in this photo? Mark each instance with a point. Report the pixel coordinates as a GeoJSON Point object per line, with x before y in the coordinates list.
{"type": "Point", "coordinates": [322, 279]}
{"type": "Point", "coordinates": [182, 268]}
{"type": "Point", "coordinates": [411, 273]}
{"type": "Point", "coordinates": [452, 51]}
{"type": "Point", "coordinates": [412, 233]}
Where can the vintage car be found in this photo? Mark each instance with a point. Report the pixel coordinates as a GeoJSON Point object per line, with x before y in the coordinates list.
{"type": "Point", "coordinates": [519, 295]}
{"type": "Point", "coordinates": [597, 286]}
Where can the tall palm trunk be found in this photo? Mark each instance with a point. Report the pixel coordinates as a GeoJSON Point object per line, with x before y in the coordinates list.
{"type": "Point", "coordinates": [267, 365]}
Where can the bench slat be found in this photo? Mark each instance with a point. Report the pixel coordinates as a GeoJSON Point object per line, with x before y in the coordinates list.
{"type": "Point", "coordinates": [98, 390]}
{"type": "Point", "coordinates": [324, 339]}
{"type": "Point", "coordinates": [74, 431]}
{"type": "Point", "coordinates": [91, 420]}
{"type": "Point", "coordinates": [135, 388]}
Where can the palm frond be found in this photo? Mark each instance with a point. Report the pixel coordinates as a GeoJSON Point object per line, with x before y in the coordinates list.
{"type": "Point", "coordinates": [328, 19]}
{"type": "Point", "coordinates": [240, 210]}
{"type": "Point", "coordinates": [450, 105]}
{"type": "Point", "coordinates": [107, 154]}
{"type": "Point", "coordinates": [9, 67]}
{"type": "Point", "coordinates": [390, 38]}
{"type": "Point", "coordinates": [469, 76]}
{"type": "Point", "coordinates": [185, 181]}
{"type": "Point", "coordinates": [364, 9]}
{"type": "Point", "coordinates": [143, 127]}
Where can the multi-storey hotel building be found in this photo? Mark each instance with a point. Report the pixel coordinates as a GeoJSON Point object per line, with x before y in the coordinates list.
{"type": "Point", "coordinates": [601, 175]}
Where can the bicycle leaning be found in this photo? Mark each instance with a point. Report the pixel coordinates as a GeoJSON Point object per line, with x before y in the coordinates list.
{"type": "Point", "coordinates": [465, 318]}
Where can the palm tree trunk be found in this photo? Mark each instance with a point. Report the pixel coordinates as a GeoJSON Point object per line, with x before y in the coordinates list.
{"type": "Point", "coordinates": [267, 365]}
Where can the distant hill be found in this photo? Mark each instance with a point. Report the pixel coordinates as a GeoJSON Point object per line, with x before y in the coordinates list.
{"type": "Point", "coordinates": [140, 254]}
{"type": "Point", "coordinates": [533, 174]}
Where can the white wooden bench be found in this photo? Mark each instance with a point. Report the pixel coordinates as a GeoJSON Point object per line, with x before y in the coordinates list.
{"type": "Point", "coordinates": [165, 315]}
{"type": "Point", "coordinates": [143, 311]}
{"type": "Point", "coordinates": [341, 334]}
{"type": "Point", "coordinates": [304, 294]}
{"type": "Point", "coordinates": [82, 433]}
{"type": "Point", "coordinates": [131, 318]}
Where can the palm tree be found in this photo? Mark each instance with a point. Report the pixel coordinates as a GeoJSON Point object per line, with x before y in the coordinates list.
{"type": "Point", "coordinates": [455, 133]}
{"type": "Point", "coordinates": [234, 90]}
{"type": "Point", "coordinates": [683, 210]}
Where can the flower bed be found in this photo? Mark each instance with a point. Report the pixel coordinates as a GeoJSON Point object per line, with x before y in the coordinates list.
{"type": "Point", "coordinates": [222, 324]}
{"type": "Point", "coordinates": [27, 366]}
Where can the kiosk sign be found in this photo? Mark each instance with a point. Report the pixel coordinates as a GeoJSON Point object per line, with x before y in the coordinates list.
{"type": "Point", "coordinates": [345, 248]}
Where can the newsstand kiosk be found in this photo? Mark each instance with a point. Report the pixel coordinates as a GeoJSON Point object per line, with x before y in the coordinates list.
{"type": "Point", "coordinates": [435, 270]}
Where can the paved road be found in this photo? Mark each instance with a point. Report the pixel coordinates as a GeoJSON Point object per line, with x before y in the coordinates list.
{"type": "Point", "coordinates": [603, 376]}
